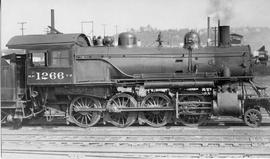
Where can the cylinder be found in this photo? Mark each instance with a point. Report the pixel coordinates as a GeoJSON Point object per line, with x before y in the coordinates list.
{"type": "Point", "coordinates": [227, 104]}
{"type": "Point", "coordinates": [224, 36]}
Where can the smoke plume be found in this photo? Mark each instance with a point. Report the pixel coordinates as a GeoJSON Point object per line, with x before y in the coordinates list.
{"type": "Point", "coordinates": [220, 9]}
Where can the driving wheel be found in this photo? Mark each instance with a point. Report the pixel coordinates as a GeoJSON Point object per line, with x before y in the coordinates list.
{"type": "Point", "coordinates": [84, 118]}
{"type": "Point", "coordinates": [121, 118]}
{"type": "Point", "coordinates": [155, 118]}
{"type": "Point", "coordinates": [190, 112]}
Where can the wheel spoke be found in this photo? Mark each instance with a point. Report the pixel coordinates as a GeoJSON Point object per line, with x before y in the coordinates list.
{"type": "Point", "coordinates": [85, 119]}
{"type": "Point", "coordinates": [79, 117]}
{"type": "Point", "coordinates": [76, 115]}
{"type": "Point", "coordinates": [122, 120]}
{"type": "Point", "coordinates": [90, 104]}
{"type": "Point", "coordinates": [151, 104]}
{"type": "Point", "coordinates": [127, 103]}
{"type": "Point", "coordinates": [163, 102]}
{"type": "Point", "coordinates": [82, 102]}
{"type": "Point", "coordinates": [157, 101]}
{"type": "Point", "coordinates": [88, 116]}
{"type": "Point", "coordinates": [157, 121]}
{"type": "Point", "coordinates": [116, 104]}
{"type": "Point", "coordinates": [154, 101]}
{"type": "Point", "coordinates": [119, 102]}
{"type": "Point", "coordinates": [152, 118]}
{"type": "Point", "coordinates": [123, 101]}
{"type": "Point", "coordinates": [77, 104]}
{"type": "Point", "coordinates": [86, 102]}
{"type": "Point", "coordinates": [160, 117]}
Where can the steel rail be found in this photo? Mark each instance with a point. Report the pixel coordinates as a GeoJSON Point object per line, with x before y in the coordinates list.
{"type": "Point", "coordinates": [133, 135]}
{"type": "Point", "coordinates": [219, 143]}
{"type": "Point", "coordinates": [133, 154]}
{"type": "Point", "coordinates": [257, 139]}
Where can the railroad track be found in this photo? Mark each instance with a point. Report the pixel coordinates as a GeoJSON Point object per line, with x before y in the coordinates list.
{"type": "Point", "coordinates": [137, 142]}
{"type": "Point", "coordinates": [137, 154]}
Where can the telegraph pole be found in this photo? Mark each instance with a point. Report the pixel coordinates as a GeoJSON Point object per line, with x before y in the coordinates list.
{"type": "Point", "coordinates": [46, 30]}
{"type": "Point", "coordinates": [116, 27]}
{"type": "Point", "coordinates": [22, 28]}
{"type": "Point", "coordinates": [92, 28]}
{"type": "Point", "coordinates": [1, 74]}
{"type": "Point", "coordinates": [84, 22]}
{"type": "Point", "coordinates": [104, 29]}
{"type": "Point", "coordinates": [116, 32]}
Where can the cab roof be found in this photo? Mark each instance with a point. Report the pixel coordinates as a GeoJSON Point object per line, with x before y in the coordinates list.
{"type": "Point", "coordinates": [46, 41]}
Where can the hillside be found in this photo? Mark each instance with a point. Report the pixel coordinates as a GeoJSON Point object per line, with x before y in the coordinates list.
{"type": "Point", "coordinates": [254, 36]}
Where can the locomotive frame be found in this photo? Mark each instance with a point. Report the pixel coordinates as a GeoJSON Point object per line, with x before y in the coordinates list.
{"type": "Point", "coordinates": [84, 84]}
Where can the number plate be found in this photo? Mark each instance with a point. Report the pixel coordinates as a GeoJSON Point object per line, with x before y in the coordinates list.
{"type": "Point", "coordinates": [49, 76]}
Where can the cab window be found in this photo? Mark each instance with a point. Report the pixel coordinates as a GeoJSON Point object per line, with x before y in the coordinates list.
{"type": "Point", "coordinates": [59, 58]}
{"type": "Point", "coordinates": [38, 58]}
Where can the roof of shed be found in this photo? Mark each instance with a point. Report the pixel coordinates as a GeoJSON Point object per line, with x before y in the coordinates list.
{"type": "Point", "coordinates": [234, 34]}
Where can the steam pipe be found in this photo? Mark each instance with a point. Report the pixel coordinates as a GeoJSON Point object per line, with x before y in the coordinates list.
{"type": "Point", "coordinates": [52, 21]}
{"type": "Point", "coordinates": [208, 30]}
{"type": "Point", "coordinates": [184, 84]}
{"type": "Point", "coordinates": [215, 31]}
{"type": "Point", "coordinates": [218, 33]}
{"type": "Point", "coordinates": [189, 60]}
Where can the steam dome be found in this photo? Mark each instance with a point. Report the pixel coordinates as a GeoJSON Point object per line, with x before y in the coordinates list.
{"type": "Point", "coordinates": [127, 39]}
{"type": "Point", "coordinates": [191, 40]}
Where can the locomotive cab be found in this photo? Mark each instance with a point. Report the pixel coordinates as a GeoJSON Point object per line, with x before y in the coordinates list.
{"type": "Point", "coordinates": [49, 56]}
{"type": "Point", "coordinates": [49, 66]}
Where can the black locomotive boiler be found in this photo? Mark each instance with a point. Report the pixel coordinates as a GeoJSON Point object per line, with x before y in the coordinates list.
{"type": "Point", "coordinates": [63, 75]}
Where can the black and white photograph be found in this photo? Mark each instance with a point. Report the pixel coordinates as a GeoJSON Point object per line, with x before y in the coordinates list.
{"type": "Point", "coordinates": [135, 79]}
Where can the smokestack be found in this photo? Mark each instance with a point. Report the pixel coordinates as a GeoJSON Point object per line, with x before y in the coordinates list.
{"type": "Point", "coordinates": [208, 30]}
{"type": "Point", "coordinates": [52, 21]}
{"type": "Point", "coordinates": [224, 36]}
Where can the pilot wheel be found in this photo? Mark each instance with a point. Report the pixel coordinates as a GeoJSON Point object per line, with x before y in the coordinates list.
{"type": "Point", "coordinates": [253, 118]}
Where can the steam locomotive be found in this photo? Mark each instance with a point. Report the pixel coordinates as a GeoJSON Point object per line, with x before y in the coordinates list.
{"type": "Point", "coordinates": [67, 76]}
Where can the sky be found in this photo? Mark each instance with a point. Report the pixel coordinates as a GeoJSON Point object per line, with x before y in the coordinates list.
{"type": "Point", "coordinates": [126, 14]}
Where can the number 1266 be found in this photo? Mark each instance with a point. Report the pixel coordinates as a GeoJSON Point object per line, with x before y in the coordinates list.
{"type": "Point", "coordinates": [49, 76]}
